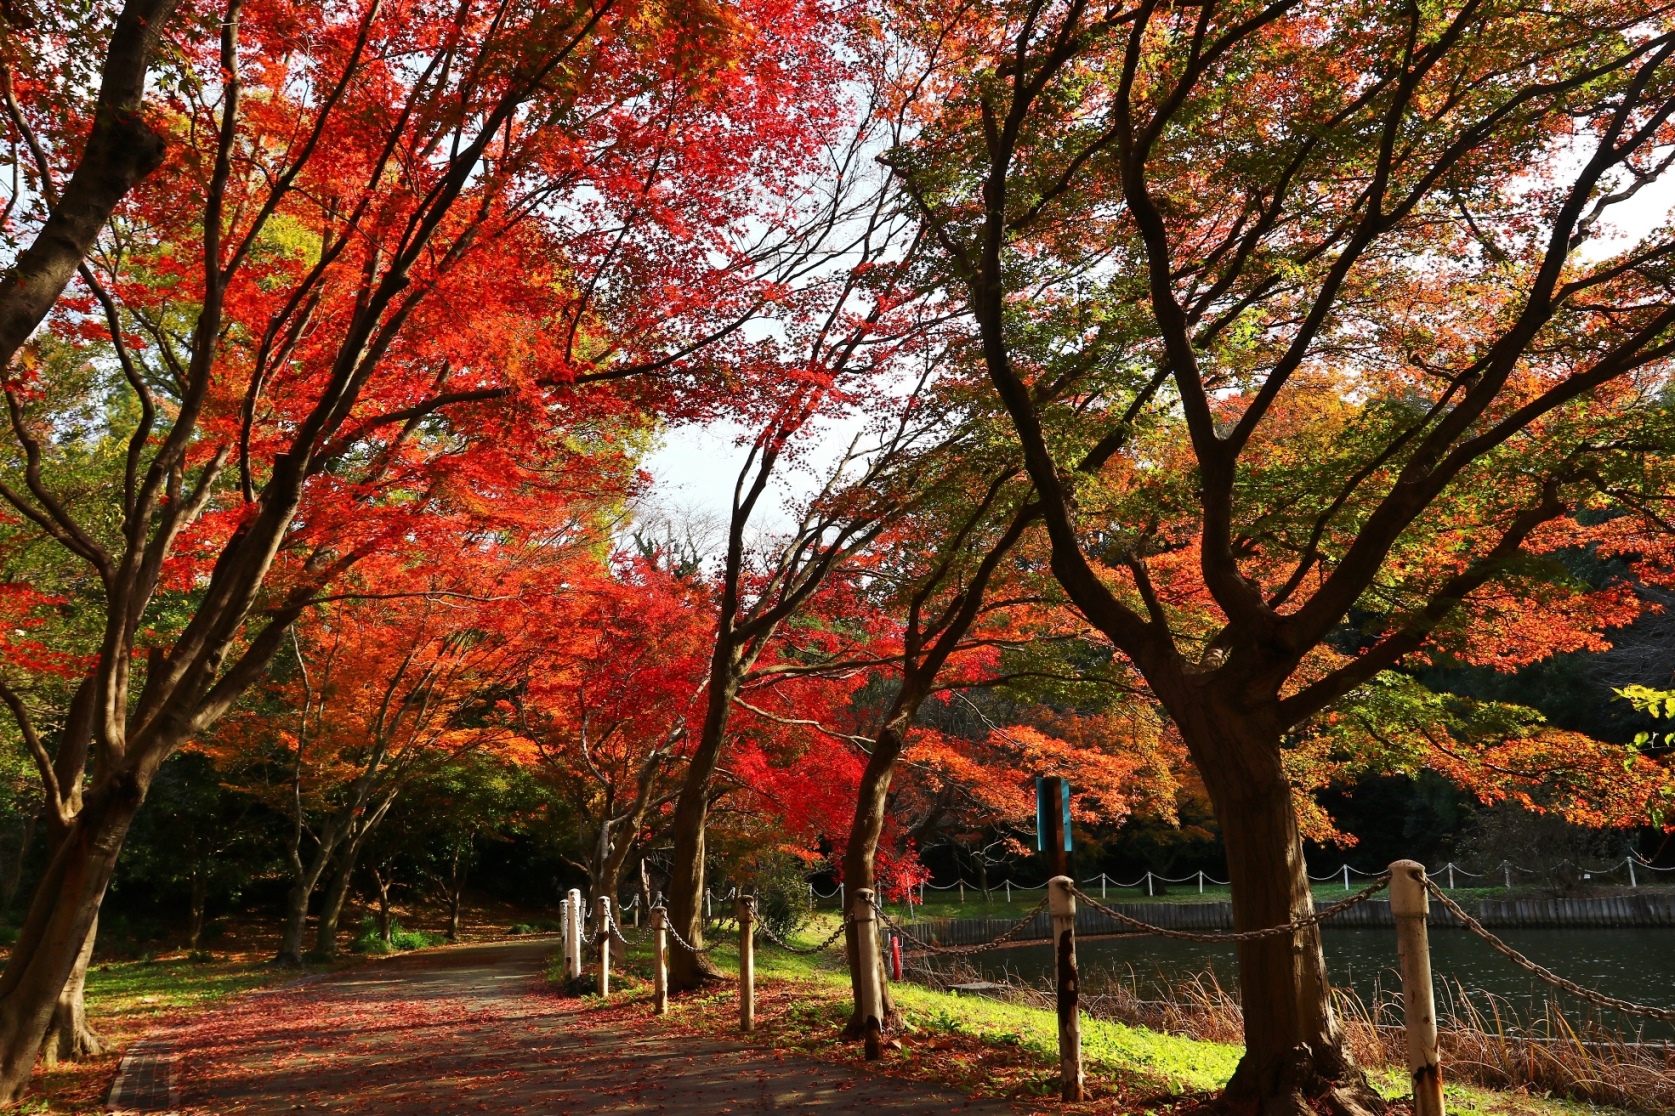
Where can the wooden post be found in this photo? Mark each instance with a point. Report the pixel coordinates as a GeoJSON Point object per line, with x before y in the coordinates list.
{"type": "Point", "coordinates": [1410, 903]}
{"type": "Point", "coordinates": [636, 912]}
{"type": "Point", "coordinates": [1506, 866]}
{"type": "Point", "coordinates": [1632, 882]}
{"type": "Point", "coordinates": [1346, 877]}
{"type": "Point", "coordinates": [962, 893]}
{"type": "Point", "coordinates": [866, 941]}
{"type": "Point", "coordinates": [603, 929]}
{"type": "Point", "coordinates": [1061, 901]}
{"type": "Point", "coordinates": [573, 935]}
{"type": "Point", "coordinates": [659, 961]}
{"type": "Point", "coordinates": [564, 932]}
{"type": "Point", "coordinates": [747, 962]}
{"type": "Point", "coordinates": [1450, 875]}
{"type": "Point", "coordinates": [1103, 880]}
{"type": "Point", "coordinates": [1149, 892]}
{"type": "Point", "coordinates": [1008, 891]}
{"type": "Point", "coordinates": [1200, 881]}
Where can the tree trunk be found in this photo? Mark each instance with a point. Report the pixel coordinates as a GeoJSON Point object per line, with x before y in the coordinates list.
{"type": "Point", "coordinates": [688, 970]}
{"type": "Point", "coordinates": [859, 858]}
{"type": "Point", "coordinates": [55, 931]}
{"type": "Point", "coordinates": [200, 899]}
{"type": "Point", "coordinates": [1295, 1062]}
{"type": "Point", "coordinates": [121, 149]}
{"type": "Point", "coordinates": [382, 879]}
{"type": "Point", "coordinates": [456, 893]}
{"type": "Point", "coordinates": [331, 905]}
{"type": "Point", "coordinates": [69, 1038]}
{"type": "Point", "coordinates": [303, 884]}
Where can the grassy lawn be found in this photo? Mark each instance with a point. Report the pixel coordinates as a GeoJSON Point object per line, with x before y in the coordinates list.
{"type": "Point", "coordinates": [990, 1047]}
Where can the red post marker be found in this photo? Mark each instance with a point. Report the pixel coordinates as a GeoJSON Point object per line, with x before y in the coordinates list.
{"type": "Point", "coordinates": [895, 957]}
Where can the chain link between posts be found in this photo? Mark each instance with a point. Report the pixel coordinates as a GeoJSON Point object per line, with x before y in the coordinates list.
{"type": "Point", "coordinates": [1598, 998]}
{"type": "Point", "coordinates": [787, 946]}
{"type": "Point", "coordinates": [931, 947]}
{"type": "Point", "coordinates": [1289, 928]}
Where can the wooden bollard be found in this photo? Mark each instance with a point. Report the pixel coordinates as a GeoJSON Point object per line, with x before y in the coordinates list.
{"type": "Point", "coordinates": [659, 961]}
{"type": "Point", "coordinates": [1410, 903]}
{"type": "Point", "coordinates": [872, 997]}
{"type": "Point", "coordinates": [1061, 902]}
{"type": "Point", "coordinates": [573, 935]}
{"type": "Point", "coordinates": [747, 962]}
{"type": "Point", "coordinates": [603, 929]}
{"type": "Point", "coordinates": [564, 933]}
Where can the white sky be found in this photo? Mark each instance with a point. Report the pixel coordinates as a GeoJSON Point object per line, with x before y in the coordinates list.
{"type": "Point", "coordinates": [694, 470]}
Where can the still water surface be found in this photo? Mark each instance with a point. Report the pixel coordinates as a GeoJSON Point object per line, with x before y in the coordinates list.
{"type": "Point", "coordinates": [1636, 965]}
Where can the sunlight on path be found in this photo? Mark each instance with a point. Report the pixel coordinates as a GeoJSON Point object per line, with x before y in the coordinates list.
{"type": "Point", "coordinates": [477, 1030]}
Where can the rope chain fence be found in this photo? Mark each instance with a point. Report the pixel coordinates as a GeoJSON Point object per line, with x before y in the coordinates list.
{"type": "Point", "coordinates": [1291, 927]}
{"type": "Point", "coordinates": [1599, 999]}
{"type": "Point", "coordinates": [787, 946]}
{"type": "Point", "coordinates": [931, 947]}
{"type": "Point", "coordinates": [674, 934]}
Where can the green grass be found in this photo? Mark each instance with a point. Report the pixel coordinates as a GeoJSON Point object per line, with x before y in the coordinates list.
{"type": "Point", "coordinates": [1134, 1055]}
{"type": "Point", "coordinates": [140, 988]}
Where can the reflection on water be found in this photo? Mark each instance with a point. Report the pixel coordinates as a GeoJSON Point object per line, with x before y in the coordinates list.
{"type": "Point", "coordinates": [1634, 965]}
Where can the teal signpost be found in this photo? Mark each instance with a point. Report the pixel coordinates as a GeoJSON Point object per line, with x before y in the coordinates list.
{"type": "Point", "coordinates": [1052, 821]}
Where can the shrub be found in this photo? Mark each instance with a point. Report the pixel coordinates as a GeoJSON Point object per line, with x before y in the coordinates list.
{"type": "Point", "coordinates": [401, 939]}
{"type": "Point", "coordinates": [782, 902]}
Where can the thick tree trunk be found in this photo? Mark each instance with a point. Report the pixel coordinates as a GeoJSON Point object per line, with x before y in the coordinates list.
{"type": "Point", "coordinates": [859, 857]}
{"type": "Point", "coordinates": [331, 904]}
{"type": "Point", "coordinates": [69, 1038]}
{"type": "Point", "coordinates": [688, 970]}
{"type": "Point", "coordinates": [1295, 1062]}
{"type": "Point", "coordinates": [296, 908]}
{"type": "Point", "coordinates": [55, 931]}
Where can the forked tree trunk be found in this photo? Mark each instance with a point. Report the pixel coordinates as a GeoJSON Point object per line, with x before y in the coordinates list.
{"type": "Point", "coordinates": [55, 931]}
{"type": "Point", "coordinates": [1295, 1062]}
{"type": "Point", "coordinates": [296, 910]}
{"type": "Point", "coordinates": [69, 1038]}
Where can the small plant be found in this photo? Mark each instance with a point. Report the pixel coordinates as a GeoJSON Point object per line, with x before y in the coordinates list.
{"type": "Point", "coordinates": [369, 941]}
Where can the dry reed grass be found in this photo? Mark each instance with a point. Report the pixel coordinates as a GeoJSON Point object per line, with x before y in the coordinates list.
{"type": "Point", "coordinates": [1484, 1039]}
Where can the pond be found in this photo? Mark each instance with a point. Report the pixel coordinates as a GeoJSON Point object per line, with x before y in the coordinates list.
{"type": "Point", "coordinates": [1633, 964]}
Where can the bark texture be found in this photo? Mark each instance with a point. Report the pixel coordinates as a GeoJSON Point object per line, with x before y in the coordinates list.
{"type": "Point", "coordinates": [121, 149]}
{"type": "Point", "coordinates": [69, 1038]}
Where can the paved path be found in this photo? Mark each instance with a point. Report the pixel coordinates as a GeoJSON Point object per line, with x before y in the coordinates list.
{"type": "Point", "coordinates": [477, 1030]}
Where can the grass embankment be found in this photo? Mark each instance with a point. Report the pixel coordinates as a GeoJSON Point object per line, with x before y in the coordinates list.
{"type": "Point", "coordinates": [988, 1047]}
